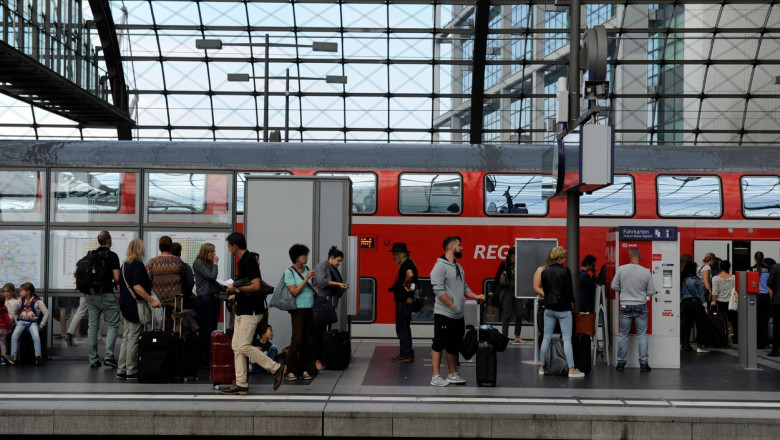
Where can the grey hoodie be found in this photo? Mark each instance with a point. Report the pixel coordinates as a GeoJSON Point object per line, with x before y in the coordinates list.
{"type": "Point", "coordinates": [449, 278]}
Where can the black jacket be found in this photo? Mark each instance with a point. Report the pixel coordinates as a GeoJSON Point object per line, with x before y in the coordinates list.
{"type": "Point", "coordinates": [557, 287]}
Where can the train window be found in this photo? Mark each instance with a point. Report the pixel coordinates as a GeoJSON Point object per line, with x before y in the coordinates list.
{"type": "Point", "coordinates": [689, 196]}
{"type": "Point", "coordinates": [363, 190]}
{"type": "Point", "coordinates": [241, 178]}
{"type": "Point", "coordinates": [367, 312]}
{"type": "Point", "coordinates": [760, 196]}
{"type": "Point", "coordinates": [514, 194]}
{"type": "Point", "coordinates": [494, 310]}
{"type": "Point", "coordinates": [616, 200]}
{"type": "Point", "coordinates": [89, 196]}
{"type": "Point", "coordinates": [188, 197]}
{"type": "Point", "coordinates": [20, 196]}
{"type": "Point", "coordinates": [425, 292]}
{"type": "Point", "coordinates": [431, 193]}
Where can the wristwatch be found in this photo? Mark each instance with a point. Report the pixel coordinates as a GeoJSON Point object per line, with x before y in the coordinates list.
{"type": "Point", "coordinates": [238, 290]}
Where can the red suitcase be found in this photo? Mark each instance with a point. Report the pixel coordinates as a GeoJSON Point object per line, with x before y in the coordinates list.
{"type": "Point", "coordinates": [223, 370]}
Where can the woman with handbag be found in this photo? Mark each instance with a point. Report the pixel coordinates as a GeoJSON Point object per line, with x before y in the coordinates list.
{"type": "Point", "coordinates": [331, 287]}
{"type": "Point", "coordinates": [722, 286]}
{"type": "Point", "coordinates": [298, 280]}
{"type": "Point", "coordinates": [134, 288]}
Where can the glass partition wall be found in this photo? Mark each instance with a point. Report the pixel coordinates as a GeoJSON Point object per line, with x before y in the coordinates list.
{"type": "Point", "coordinates": [50, 218]}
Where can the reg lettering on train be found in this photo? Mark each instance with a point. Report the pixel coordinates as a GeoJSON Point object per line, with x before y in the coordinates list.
{"type": "Point", "coordinates": [490, 252]}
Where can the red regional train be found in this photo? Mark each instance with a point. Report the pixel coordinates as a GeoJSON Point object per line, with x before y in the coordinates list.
{"type": "Point", "coordinates": [723, 199]}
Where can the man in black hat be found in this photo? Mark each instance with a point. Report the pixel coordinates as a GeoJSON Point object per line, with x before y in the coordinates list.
{"type": "Point", "coordinates": [403, 294]}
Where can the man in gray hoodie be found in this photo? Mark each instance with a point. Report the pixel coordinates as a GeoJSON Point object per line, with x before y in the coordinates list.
{"type": "Point", "coordinates": [449, 284]}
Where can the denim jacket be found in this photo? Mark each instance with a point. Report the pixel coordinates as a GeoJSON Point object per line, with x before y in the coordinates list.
{"type": "Point", "coordinates": [692, 287]}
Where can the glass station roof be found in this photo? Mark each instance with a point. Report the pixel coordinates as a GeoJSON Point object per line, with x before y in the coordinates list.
{"type": "Point", "coordinates": [679, 72]}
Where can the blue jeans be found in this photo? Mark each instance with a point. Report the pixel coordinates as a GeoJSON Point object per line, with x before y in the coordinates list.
{"type": "Point", "coordinates": [21, 326]}
{"type": "Point", "coordinates": [96, 305]}
{"type": "Point", "coordinates": [550, 316]}
{"type": "Point", "coordinates": [638, 314]}
{"type": "Point", "coordinates": [272, 352]}
{"type": "Point", "coordinates": [403, 328]}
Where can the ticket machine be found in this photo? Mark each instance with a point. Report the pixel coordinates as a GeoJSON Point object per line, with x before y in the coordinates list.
{"type": "Point", "coordinates": [660, 250]}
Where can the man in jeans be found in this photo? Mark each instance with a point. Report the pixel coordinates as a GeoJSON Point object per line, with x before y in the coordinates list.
{"type": "Point", "coordinates": [249, 312]}
{"type": "Point", "coordinates": [403, 294]}
{"type": "Point", "coordinates": [449, 284]}
{"type": "Point", "coordinates": [102, 300]}
{"type": "Point", "coordinates": [635, 284]}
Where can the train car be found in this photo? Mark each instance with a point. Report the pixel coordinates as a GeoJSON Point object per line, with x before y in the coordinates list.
{"type": "Point", "coordinates": [723, 199]}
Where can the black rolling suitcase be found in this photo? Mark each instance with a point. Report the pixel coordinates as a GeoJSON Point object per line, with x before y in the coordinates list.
{"type": "Point", "coordinates": [581, 345]}
{"type": "Point", "coordinates": [717, 331]}
{"type": "Point", "coordinates": [159, 351]}
{"type": "Point", "coordinates": [487, 362]}
{"type": "Point", "coordinates": [336, 350]}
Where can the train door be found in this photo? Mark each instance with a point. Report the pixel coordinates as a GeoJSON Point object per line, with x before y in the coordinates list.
{"type": "Point", "coordinates": [721, 248]}
{"type": "Point", "coordinates": [739, 253]}
{"type": "Point", "coordinates": [771, 249]}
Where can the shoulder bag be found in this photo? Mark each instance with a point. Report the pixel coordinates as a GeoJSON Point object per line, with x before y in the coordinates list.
{"type": "Point", "coordinates": [283, 299]}
{"type": "Point", "coordinates": [734, 301]}
{"type": "Point", "coordinates": [323, 311]}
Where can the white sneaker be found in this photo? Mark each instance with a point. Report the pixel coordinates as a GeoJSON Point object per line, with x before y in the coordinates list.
{"type": "Point", "coordinates": [456, 379]}
{"type": "Point", "coordinates": [439, 381]}
{"type": "Point", "coordinates": [577, 373]}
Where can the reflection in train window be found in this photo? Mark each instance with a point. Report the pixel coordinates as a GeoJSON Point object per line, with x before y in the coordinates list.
{"type": "Point", "coordinates": [176, 192]}
{"type": "Point", "coordinates": [367, 312]}
{"type": "Point", "coordinates": [241, 178]}
{"type": "Point", "coordinates": [19, 190]}
{"type": "Point", "coordinates": [689, 196]}
{"type": "Point", "coordinates": [760, 196]}
{"type": "Point", "coordinates": [86, 191]}
{"type": "Point", "coordinates": [514, 194]}
{"type": "Point", "coordinates": [430, 193]}
{"type": "Point", "coordinates": [494, 310]}
{"type": "Point", "coordinates": [425, 292]}
{"type": "Point", "coordinates": [363, 190]}
{"type": "Point", "coordinates": [616, 200]}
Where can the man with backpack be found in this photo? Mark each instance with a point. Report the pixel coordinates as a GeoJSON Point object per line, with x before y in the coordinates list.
{"type": "Point", "coordinates": [96, 275]}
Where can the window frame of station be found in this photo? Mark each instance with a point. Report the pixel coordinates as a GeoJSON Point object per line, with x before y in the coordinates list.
{"type": "Point", "coordinates": [484, 197]}
{"type": "Point", "coordinates": [40, 207]}
{"type": "Point", "coordinates": [658, 196]}
{"type": "Point", "coordinates": [255, 173]}
{"type": "Point", "coordinates": [231, 188]}
{"type": "Point", "coordinates": [345, 174]}
{"type": "Point", "coordinates": [633, 200]}
{"type": "Point", "coordinates": [421, 280]}
{"type": "Point", "coordinates": [121, 223]}
{"type": "Point", "coordinates": [742, 195]}
{"type": "Point", "coordinates": [373, 295]}
{"type": "Point", "coordinates": [434, 214]}
{"type": "Point", "coordinates": [62, 227]}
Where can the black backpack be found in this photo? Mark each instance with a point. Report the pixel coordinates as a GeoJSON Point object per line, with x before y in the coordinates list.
{"type": "Point", "coordinates": [91, 273]}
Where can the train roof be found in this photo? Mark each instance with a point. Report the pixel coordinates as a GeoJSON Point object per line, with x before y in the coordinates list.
{"type": "Point", "coordinates": [370, 156]}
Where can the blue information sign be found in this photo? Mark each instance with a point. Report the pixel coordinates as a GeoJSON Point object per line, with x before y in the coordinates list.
{"type": "Point", "coordinates": [648, 233]}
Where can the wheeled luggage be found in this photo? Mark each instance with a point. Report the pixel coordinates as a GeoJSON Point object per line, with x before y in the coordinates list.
{"type": "Point", "coordinates": [336, 350]}
{"type": "Point", "coordinates": [487, 365]}
{"type": "Point", "coordinates": [159, 351]}
{"type": "Point", "coordinates": [185, 325]}
{"type": "Point", "coordinates": [717, 330]}
{"type": "Point", "coordinates": [222, 370]}
{"type": "Point", "coordinates": [581, 345]}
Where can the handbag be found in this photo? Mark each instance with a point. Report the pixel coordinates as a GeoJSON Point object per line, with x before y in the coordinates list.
{"type": "Point", "coordinates": [585, 323]}
{"type": "Point", "coordinates": [283, 299]}
{"type": "Point", "coordinates": [323, 311]}
{"type": "Point", "coordinates": [734, 301]}
{"type": "Point", "coordinates": [144, 310]}
{"type": "Point", "coordinates": [417, 304]}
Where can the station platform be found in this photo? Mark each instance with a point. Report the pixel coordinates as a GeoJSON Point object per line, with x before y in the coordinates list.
{"type": "Point", "coordinates": [709, 397]}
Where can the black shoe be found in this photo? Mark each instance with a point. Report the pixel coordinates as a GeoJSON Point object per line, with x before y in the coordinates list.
{"type": "Point", "coordinates": [773, 354]}
{"type": "Point", "coordinates": [110, 362]}
{"type": "Point", "coordinates": [69, 340]}
{"type": "Point", "coordinates": [97, 364]}
{"type": "Point", "coordinates": [688, 348]}
{"type": "Point", "coordinates": [131, 376]}
{"type": "Point", "coordinates": [121, 376]}
{"type": "Point", "coordinates": [621, 366]}
{"type": "Point", "coordinates": [235, 389]}
{"type": "Point", "coordinates": [38, 360]}
{"type": "Point", "coordinates": [279, 376]}
{"type": "Point", "coordinates": [10, 359]}
{"type": "Point", "coordinates": [645, 368]}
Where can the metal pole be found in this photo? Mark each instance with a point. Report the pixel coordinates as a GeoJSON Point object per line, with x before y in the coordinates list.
{"type": "Point", "coordinates": [265, 90]}
{"type": "Point", "coordinates": [573, 197]}
{"type": "Point", "coordinates": [287, 107]}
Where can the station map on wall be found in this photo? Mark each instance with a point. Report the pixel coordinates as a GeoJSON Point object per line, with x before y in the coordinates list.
{"type": "Point", "coordinates": [20, 256]}
{"type": "Point", "coordinates": [190, 243]}
{"type": "Point", "coordinates": [68, 247]}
